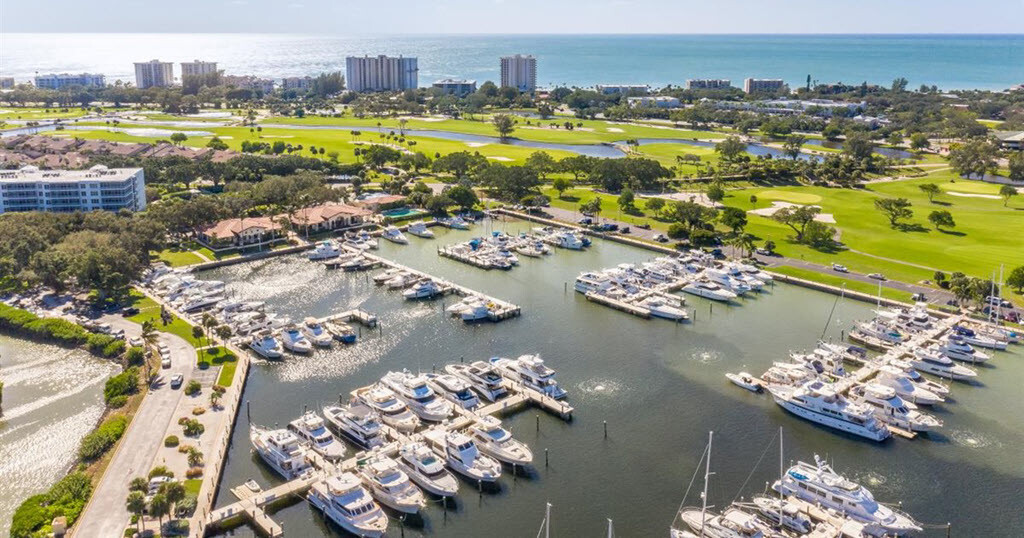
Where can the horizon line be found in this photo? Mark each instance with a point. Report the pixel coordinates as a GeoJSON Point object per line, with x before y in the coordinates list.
{"type": "Point", "coordinates": [420, 34]}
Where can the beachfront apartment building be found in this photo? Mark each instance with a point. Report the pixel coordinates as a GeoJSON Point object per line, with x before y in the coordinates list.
{"type": "Point", "coordinates": [609, 89]}
{"type": "Point", "coordinates": [457, 87]}
{"type": "Point", "coordinates": [519, 72]}
{"type": "Point", "coordinates": [249, 82]}
{"type": "Point", "coordinates": [95, 189]}
{"type": "Point", "coordinates": [296, 83]}
{"type": "Point", "coordinates": [197, 68]}
{"type": "Point", "coordinates": [755, 85]}
{"type": "Point", "coordinates": [708, 83]}
{"type": "Point", "coordinates": [154, 74]}
{"type": "Point", "coordinates": [381, 73]}
{"type": "Point", "coordinates": [60, 81]}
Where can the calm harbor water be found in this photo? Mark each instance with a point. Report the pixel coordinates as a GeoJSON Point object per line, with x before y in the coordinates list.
{"type": "Point", "coordinates": [52, 398]}
{"type": "Point", "coordinates": [660, 387]}
{"type": "Point", "coordinates": [949, 61]}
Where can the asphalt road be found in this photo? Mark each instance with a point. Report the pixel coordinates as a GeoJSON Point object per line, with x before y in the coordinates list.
{"type": "Point", "coordinates": [106, 516]}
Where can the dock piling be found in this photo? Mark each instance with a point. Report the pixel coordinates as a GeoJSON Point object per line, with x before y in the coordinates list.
{"type": "Point", "coordinates": [248, 411]}
{"type": "Point", "coordinates": [605, 428]}
{"type": "Point", "coordinates": [545, 458]}
{"type": "Point", "coordinates": [538, 421]}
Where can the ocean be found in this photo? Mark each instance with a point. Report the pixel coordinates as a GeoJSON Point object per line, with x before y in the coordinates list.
{"type": "Point", "coordinates": [948, 61]}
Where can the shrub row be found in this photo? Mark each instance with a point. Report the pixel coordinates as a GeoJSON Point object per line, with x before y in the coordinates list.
{"type": "Point", "coordinates": [122, 384]}
{"type": "Point", "coordinates": [59, 331]}
{"type": "Point", "coordinates": [97, 442]}
{"type": "Point", "coordinates": [66, 498]}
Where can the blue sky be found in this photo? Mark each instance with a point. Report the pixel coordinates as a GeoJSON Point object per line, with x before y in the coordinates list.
{"type": "Point", "coordinates": [351, 17]}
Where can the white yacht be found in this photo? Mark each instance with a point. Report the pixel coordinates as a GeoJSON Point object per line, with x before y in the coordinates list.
{"type": "Point", "coordinates": [745, 380]}
{"type": "Point", "coordinates": [817, 402]}
{"type": "Point", "coordinates": [893, 377]}
{"type": "Point", "coordinates": [498, 443]}
{"type": "Point", "coordinates": [931, 360]}
{"type": "Point", "coordinates": [381, 278]}
{"type": "Point", "coordinates": [310, 429]}
{"type": "Point", "coordinates": [593, 282]}
{"type": "Point", "coordinates": [882, 332]}
{"type": "Point", "coordinates": [266, 345]}
{"type": "Point", "coordinates": [788, 373]}
{"type": "Point", "coordinates": [819, 484]}
{"type": "Point", "coordinates": [661, 308]}
{"type": "Point", "coordinates": [392, 411]}
{"type": "Point", "coordinates": [568, 240]}
{"type": "Point", "coordinates": [357, 423]}
{"type": "Point", "coordinates": [423, 289]}
{"type": "Point", "coordinates": [367, 239]}
{"type": "Point", "coordinates": [482, 376]}
{"type": "Point", "coordinates": [973, 338]}
{"type": "Point", "coordinates": [726, 281]}
{"type": "Point", "coordinates": [422, 465]}
{"type": "Point", "coordinates": [344, 501]}
{"type": "Point", "coordinates": [280, 449]}
{"type": "Point", "coordinates": [419, 229]}
{"type": "Point", "coordinates": [891, 409]}
{"type": "Point", "coordinates": [822, 362]}
{"type": "Point", "coordinates": [454, 389]}
{"type": "Point", "coordinates": [531, 371]}
{"type": "Point", "coordinates": [955, 347]}
{"type": "Point", "coordinates": [455, 223]}
{"type": "Point", "coordinates": [294, 341]}
{"type": "Point", "coordinates": [792, 518]}
{"type": "Point", "coordinates": [734, 522]}
{"type": "Point", "coordinates": [317, 333]}
{"type": "Point", "coordinates": [393, 234]}
{"type": "Point", "coordinates": [325, 250]}
{"type": "Point", "coordinates": [417, 394]}
{"type": "Point", "coordinates": [907, 369]}
{"type": "Point", "coordinates": [391, 486]}
{"type": "Point", "coordinates": [341, 331]}
{"type": "Point", "coordinates": [709, 290]}
{"type": "Point", "coordinates": [462, 455]}
{"type": "Point", "coordinates": [401, 280]}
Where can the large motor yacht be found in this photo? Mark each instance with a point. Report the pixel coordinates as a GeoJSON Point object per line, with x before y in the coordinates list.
{"type": "Point", "coordinates": [531, 371]}
{"type": "Point", "coordinates": [817, 402]}
{"type": "Point", "coordinates": [280, 449]}
{"type": "Point", "coordinates": [423, 466]}
{"type": "Point", "coordinates": [454, 389]}
{"type": "Point", "coordinates": [294, 341]}
{"type": "Point", "coordinates": [973, 338]}
{"type": "Point", "coordinates": [818, 484]}
{"type": "Point", "coordinates": [709, 290]}
{"type": "Point", "coordinates": [417, 394]}
{"type": "Point", "coordinates": [882, 332]}
{"type": "Point", "coordinates": [932, 361]}
{"type": "Point", "coordinates": [891, 409]}
{"type": "Point", "coordinates": [955, 347]}
{"type": "Point", "coordinates": [661, 308]}
{"type": "Point", "coordinates": [893, 377]}
{"type": "Point", "coordinates": [423, 289]}
{"type": "Point", "coordinates": [592, 282]}
{"type": "Point", "coordinates": [392, 411]}
{"type": "Point", "coordinates": [462, 455]}
{"type": "Point", "coordinates": [315, 332]}
{"type": "Point", "coordinates": [498, 443]}
{"type": "Point", "coordinates": [391, 486]}
{"type": "Point", "coordinates": [266, 345]}
{"type": "Point", "coordinates": [482, 376]}
{"type": "Point", "coordinates": [344, 501]}
{"type": "Point", "coordinates": [393, 234]}
{"type": "Point", "coordinates": [726, 281]}
{"type": "Point", "coordinates": [325, 250]}
{"type": "Point", "coordinates": [419, 229]}
{"type": "Point", "coordinates": [310, 429]}
{"type": "Point", "coordinates": [357, 423]}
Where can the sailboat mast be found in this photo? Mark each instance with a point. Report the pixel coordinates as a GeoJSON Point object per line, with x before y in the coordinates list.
{"type": "Point", "coordinates": [611, 531]}
{"type": "Point", "coordinates": [704, 496]}
{"type": "Point", "coordinates": [547, 521]}
{"type": "Point", "coordinates": [781, 473]}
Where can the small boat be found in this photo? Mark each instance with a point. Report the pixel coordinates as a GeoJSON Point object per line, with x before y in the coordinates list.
{"type": "Point", "coordinates": [456, 223]}
{"type": "Point", "coordinates": [498, 443]}
{"type": "Point", "coordinates": [253, 486]}
{"type": "Point", "coordinates": [401, 280]}
{"type": "Point", "coordinates": [294, 341]}
{"type": "Point", "coordinates": [325, 250]}
{"type": "Point", "coordinates": [709, 290]}
{"type": "Point", "coordinates": [975, 339]}
{"type": "Point", "coordinates": [344, 501]}
{"type": "Point", "coordinates": [381, 278]}
{"type": "Point", "coordinates": [745, 380]}
{"type": "Point", "coordinates": [266, 345]}
{"type": "Point", "coordinates": [659, 307]}
{"type": "Point", "coordinates": [424, 468]}
{"type": "Point", "coordinates": [424, 289]}
{"type": "Point", "coordinates": [316, 333]}
{"type": "Point", "coordinates": [393, 234]}
{"type": "Point", "coordinates": [341, 332]}
{"type": "Point", "coordinates": [419, 229]}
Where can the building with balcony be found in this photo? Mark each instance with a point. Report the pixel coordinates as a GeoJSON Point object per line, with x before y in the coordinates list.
{"type": "Point", "coordinates": [55, 81]}
{"type": "Point", "coordinates": [154, 74]}
{"type": "Point", "coordinates": [519, 72]}
{"type": "Point", "coordinates": [98, 188]}
{"type": "Point", "coordinates": [457, 87]}
{"type": "Point", "coordinates": [381, 73]}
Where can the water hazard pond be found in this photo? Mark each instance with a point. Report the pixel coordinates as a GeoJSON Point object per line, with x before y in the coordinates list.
{"type": "Point", "coordinates": [660, 387]}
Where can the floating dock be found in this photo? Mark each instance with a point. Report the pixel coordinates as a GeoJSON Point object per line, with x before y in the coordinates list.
{"type": "Point", "coordinates": [252, 506]}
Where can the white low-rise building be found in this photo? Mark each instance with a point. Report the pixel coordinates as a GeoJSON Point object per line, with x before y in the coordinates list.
{"type": "Point", "coordinates": [98, 188]}
{"type": "Point", "coordinates": [656, 101]}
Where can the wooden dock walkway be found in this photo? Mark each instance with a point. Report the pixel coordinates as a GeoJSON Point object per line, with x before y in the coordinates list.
{"type": "Point", "coordinates": [251, 506]}
{"type": "Point", "coordinates": [360, 316]}
{"type": "Point", "coordinates": [504, 310]}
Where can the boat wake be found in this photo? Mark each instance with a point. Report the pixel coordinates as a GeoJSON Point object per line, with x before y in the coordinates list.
{"type": "Point", "coordinates": [705, 356]}
{"type": "Point", "coordinates": [598, 387]}
{"type": "Point", "coordinates": [971, 439]}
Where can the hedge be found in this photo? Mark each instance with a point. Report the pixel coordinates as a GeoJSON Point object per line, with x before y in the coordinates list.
{"type": "Point", "coordinates": [66, 498]}
{"type": "Point", "coordinates": [122, 384]}
{"type": "Point", "coordinates": [96, 443]}
{"type": "Point", "coordinates": [60, 331]}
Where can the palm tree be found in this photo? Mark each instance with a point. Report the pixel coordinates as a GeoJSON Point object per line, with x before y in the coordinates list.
{"type": "Point", "coordinates": [136, 504]}
{"type": "Point", "coordinates": [208, 323]}
{"type": "Point", "coordinates": [159, 507]}
{"type": "Point", "coordinates": [195, 457]}
{"type": "Point", "coordinates": [175, 493]}
{"type": "Point", "coordinates": [401, 125]}
{"type": "Point", "coordinates": [149, 338]}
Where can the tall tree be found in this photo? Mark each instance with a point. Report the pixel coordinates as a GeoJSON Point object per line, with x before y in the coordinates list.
{"type": "Point", "coordinates": [894, 209]}
{"type": "Point", "coordinates": [940, 218]}
{"type": "Point", "coordinates": [931, 189]}
{"type": "Point", "coordinates": [505, 124]}
{"type": "Point", "coordinates": [1007, 192]}
{"type": "Point", "coordinates": [974, 157]}
{"type": "Point", "coordinates": [730, 148]}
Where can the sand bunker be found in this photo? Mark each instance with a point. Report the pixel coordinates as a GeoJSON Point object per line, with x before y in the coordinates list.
{"type": "Point", "coordinates": [973, 195]}
{"type": "Point", "coordinates": [505, 159]}
{"type": "Point", "coordinates": [827, 218]}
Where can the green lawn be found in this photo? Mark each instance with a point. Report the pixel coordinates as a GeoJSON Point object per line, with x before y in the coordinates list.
{"type": "Point", "coordinates": [178, 257]}
{"type": "Point", "coordinates": [149, 310]}
{"type": "Point", "coordinates": [220, 356]}
{"type": "Point", "coordinates": [192, 486]}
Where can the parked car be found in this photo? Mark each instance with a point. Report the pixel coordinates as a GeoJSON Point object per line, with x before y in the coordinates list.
{"type": "Point", "coordinates": [585, 221]}
{"type": "Point", "coordinates": [840, 268]}
{"type": "Point", "coordinates": [763, 252]}
{"type": "Point", "coordinates": [177, 380]}
{"type": "Point", "coordinates": [644, 226]}
{"type": "Point", "coordinates": [998, 301]}
{"type": "Point", "coordinates": [130, 311]}
{"type": "Point", "coordinates": [877, 276]}
{"type": "Point", "coordinates": [919, 297]}
{"type": "Point", "coordinates": [165, 363]}
{"type": "Point", "coordinates": [661, 238]}
{"type": "Point", "coordinates": [135, 341]}
{"type": "Point", "coordinates": [625, 230]}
